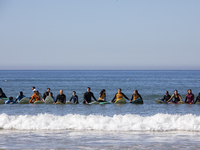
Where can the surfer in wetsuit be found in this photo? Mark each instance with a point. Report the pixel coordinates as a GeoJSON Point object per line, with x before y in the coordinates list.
{"type": "Point", "coordinates": [197, 98]}
{"type": "Point", "coordinates": [35, 97]}
{"type": "Point", "coordinates": [10, 101]}
{"type": "Point", "coordinates": [119, 95]}
{"type": "Point", "coordinates": [166, 96]}
{"type": "Point", "coordinates": [74, 98]}
{"type": "Point", "coordinates": [135, 96]}
{"type": "Point", "coordinates": [176, 96]}
{"type": "Point", "coordinates": [46, 93]}
{"type": "Point", "coordinates": [19, 97]}
{"type": "Point", "coordinates": [2, 94]}
{"type": "Point", "coordinates": [87, 96]}
{"type": "Point", "coordinates": [189, 97]}
{"type": "Point", "coordinates": [61, 97]}
{"type": "Point", "coordinates": [102, 96]}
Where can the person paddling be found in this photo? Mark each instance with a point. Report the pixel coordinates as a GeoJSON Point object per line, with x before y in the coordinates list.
{"type": "Point", "coordinates": [19, 97]}
{"type": "Point", "coordinates": [2, 94]}
{"type": "Point", "coordinates": [189, 97]}
{"type": "Point", "coordinates": [87, 96]}
{"type": "Point", "coordinates": [35, 97]}
{"type": "Point", "coordinates": [61, 97]}
{"type": "Point", "coordinates": [166, 97]}
{"type": "Point", "coordinates": [74, 98]}
{"type": "Point", "coordinates": [119, 95]}
{"type": "Point", "coordinates": [10, 101]}
{"type": "Point", "coordinates": [176, 97]}
{"type": "Point", "coordinates": [197, 98]}
{"type": "Point", "coordinates": [102, 96]}
{"type": "Point", "coordinates": [135, 96]}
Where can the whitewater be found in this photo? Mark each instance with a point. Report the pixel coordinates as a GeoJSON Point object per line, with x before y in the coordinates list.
{"type": "Point", "coordinates": [128, 122]}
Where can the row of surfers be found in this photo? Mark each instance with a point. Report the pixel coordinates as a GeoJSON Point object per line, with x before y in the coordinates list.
{"type": "Point", "coordinates": [87, 98]}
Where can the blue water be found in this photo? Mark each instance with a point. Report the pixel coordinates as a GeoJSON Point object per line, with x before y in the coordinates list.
{"type": "Point", "coordinates": [100, 124]}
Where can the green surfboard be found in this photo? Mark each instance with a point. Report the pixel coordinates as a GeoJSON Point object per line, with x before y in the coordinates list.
{"type": "Point", "coordinates": [94, 102]}
{"type": "Point", "coordinates": [49, 100]}
{"type": "Point", "coordinates": [104, 103]}
{"type": "Point", "coordinates": [198, 103]}
{"type": "Point", "coordinates": [1, 101]}
{"type": "Point", "coordinates": [138, 101]}
{"type": "Point", "coordinates": [159, 101]}
{"type": "Point", "coordinates": [38, 102]}
{"type": "Point", "coordinates": [25, 100]}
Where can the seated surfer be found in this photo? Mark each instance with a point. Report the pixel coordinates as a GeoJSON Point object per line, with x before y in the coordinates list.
{"type": "Point", "coordinates": [176, 97]}
{"type": "Point", "coordinates": [10, 101]}
{"type": "Point", "coordinates": [119, 95]}
{"type": "Point", "coordinates": [46, 93]}
{"type": "Point", "coordinates": [102, 96]}
{"type": "Point", "coordinates": [35, 97]}
{"type": "Point", "coordinates": [166, 96]}
{"type": "Point", "coordinates": [2, 94]}
{"type": "Point", "coordinates": [87, 96]}
{"type": "Point", "coordinates": [19, 97]}
{"type": "Point", "coordinates": [61, 97]}
{"type": "Point", "coordinates": [51, 94]}
{"type": "Point", "coordinates": [135, 96]}
{"type": "Point", "coordinates": [197, 98]}
{"type": "Point", "coordinates": [189, 97]}
{"type": "Point", "coordinates": [74, 98]}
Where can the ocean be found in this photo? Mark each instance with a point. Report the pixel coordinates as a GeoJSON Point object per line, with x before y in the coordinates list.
{"type": "Point", "coordinates": [110, 126]}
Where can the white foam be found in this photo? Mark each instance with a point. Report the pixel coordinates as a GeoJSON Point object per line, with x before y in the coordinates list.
{"type": "Point", "coordinates": [158, 122]}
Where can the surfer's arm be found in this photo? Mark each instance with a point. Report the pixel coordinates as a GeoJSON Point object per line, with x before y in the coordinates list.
{"type": "Point", "coordinates": [113, 100]}
{"type": "Point", "coordinates": [125, 96]}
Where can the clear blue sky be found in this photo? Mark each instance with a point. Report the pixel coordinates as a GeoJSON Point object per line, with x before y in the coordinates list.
{"type": "Point", "coordinates": [100, 34]}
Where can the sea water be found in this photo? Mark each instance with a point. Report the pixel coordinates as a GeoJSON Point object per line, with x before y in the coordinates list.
{"type": "Point", "coordinates": [110, 126]}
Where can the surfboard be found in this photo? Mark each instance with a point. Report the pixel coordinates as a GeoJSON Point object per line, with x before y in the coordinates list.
{"type": "Point", "coordinates": [159, 101]}
{"type": "Point", "coordinates": [49, 100]}
{"type": "Point", "coordinates": [59, 103]}
{"type": "Point", "coordinates": [1, 101]}
{"type": "Point", "coordinates": [198, 103]}
{"type": "Point", "coordinates": [38, 102]}
{"type": "Point", "coordinates": [104, 103]}
{"type": "Point", "coordinates": [138, 101]}
{"type": "Point", "coordinates": [68, 102]}
{"type": "Point", "coordinates": [25, 100]}
{"type": "Point", "coordinates": [94, 102]}
{"type": "Point", "coordinates": [120, 101]}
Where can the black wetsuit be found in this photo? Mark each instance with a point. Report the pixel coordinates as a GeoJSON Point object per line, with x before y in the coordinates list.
{"type": "Point", "coordinates": [61, 98]}
{"type": "Point", "coordinates": [2, 95]}
{"type": "Point", "coordinates": [75, 98]}
{"type": "Point", "coordinates": [166, 97]}
{"type": "Point", "coordinates": [45, 95]}
{"type": "Point", "coordinates": [87, 97]}
{"type": "Point", "coordinates": [176, 99]}
{"type": "Point", "coordinates": [197, 99]}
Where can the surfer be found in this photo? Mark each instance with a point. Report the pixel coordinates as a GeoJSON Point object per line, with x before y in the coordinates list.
{"type": "Point", "coordinates": [176, 97]}
{"type": "Point", "coordinates": [51, 94]}
{"type": "Point", "coordinates": [197, 98]}
{"type": "Point", "coordinates": [61, 97]}
{"type": "Point", "coordinates": [166, 97]}
{"type": "Point", "coordinates": [87, 96]}
{"type": "Point", "coordinates": [2, 94]}
{"type": "Point", "coordinates": [19, 97]}
{"type": "Point", "coordinates": [35, 97]}
{"type": "Point", "coordinates": [136, 95]}
{"type": "Point", "coordinates": [189, 97]}
{"type": "Point", "coordinates": [46, 93]}
{"type": "Point", "coordinates": [10, 101]}
{"type": "Point", "coordinates": [119, 95]}
{"type": "Point", "coordinates": [74, 98]}
{"type": "Point", "coordinates": [102, 96]}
